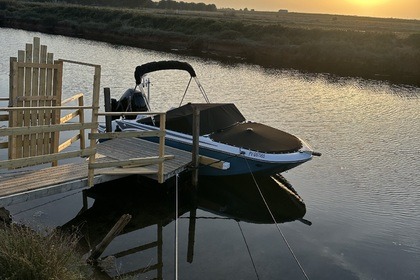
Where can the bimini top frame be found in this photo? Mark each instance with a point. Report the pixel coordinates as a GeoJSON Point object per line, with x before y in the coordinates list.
{"type": "Point", "coordinates": [142, 70]}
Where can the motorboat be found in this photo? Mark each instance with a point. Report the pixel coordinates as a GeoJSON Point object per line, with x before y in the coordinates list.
{"type": "Point", "coordinates": [224, 134]}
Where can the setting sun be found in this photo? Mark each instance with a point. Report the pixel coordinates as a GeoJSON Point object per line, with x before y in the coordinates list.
{"type": "Point", "coordinates": [409, 9]}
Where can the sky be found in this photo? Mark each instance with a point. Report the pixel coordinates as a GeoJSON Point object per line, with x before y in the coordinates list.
{"type": "Point", "coordinates": [408, 9]}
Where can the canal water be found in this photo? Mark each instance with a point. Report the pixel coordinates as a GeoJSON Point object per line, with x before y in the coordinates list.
{"type": "Point", "coordinates": [362, 196]}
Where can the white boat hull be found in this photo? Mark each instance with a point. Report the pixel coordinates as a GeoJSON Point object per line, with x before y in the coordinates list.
{"type": "Point", "coordinates": [241, 160]}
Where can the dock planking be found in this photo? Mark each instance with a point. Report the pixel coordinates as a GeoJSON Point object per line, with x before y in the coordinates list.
{"type": "Point", "coordinates": [128, 148]}
{"type": "Point", "coordinates": [37, 119]}
{"type": "Point", "coordinates": [17, 187]}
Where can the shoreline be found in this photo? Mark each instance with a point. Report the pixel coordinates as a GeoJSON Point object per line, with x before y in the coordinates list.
{"type": "Point", "coordinates": [366, 59]}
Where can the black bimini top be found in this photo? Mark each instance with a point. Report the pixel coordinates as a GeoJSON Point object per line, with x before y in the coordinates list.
{"type": "Point", "coordinates": [258, 137]}
{"type": "Point", "coordinates": [162, 65]}
{"type": "Point", "coordinates": [225, 124]}
{"type": "Point", "coordinates": [213, 117]}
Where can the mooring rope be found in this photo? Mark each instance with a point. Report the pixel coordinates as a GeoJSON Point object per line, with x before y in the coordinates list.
{"type": "Point", "coordinates": [275, 222]}
{"type": "Point", "coordinates": [176, 226]}
{"type": "Point", "coordinates": [249, 252]}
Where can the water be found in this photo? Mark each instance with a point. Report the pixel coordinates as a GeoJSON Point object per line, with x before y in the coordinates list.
{"type": "Point", "coordinates": [362, 196]}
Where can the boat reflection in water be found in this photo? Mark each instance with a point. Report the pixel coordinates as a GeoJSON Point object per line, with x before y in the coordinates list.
{"type": "Point", "coordinates": [150, 204]}
{"type": "Point", "coordinates": [239, 198]}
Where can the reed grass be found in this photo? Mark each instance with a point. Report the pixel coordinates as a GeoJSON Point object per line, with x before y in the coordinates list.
{"type": "Point", "coordinates": [25, 254]}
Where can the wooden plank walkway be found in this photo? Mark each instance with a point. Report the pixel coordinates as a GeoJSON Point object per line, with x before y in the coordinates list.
{"type": "Point", "coordinates": [129, 148]}
{"type": "Point", "coordinates": [18, 187]}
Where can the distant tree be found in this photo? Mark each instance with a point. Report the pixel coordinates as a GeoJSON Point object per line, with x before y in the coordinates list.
{"type": "Point", "coordinates": [173, 5]}
{"type": "Point", "coordinates": [162, 4]}
{"type": "Point", "coordinates": [112, 3]}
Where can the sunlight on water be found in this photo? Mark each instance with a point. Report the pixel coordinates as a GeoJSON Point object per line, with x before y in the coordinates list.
{"type": "Point", "coordinates": [362, 195]}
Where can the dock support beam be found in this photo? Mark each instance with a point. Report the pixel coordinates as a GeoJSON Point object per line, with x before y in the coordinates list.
{"type": "Point", "coordinates": [108, 108]}
{"type": "Point", "coordinates": [116, 229]}
{"type": "Point", "coordinates": [191, 235]}
{"type": "Point", "coordinates": [196, 145]}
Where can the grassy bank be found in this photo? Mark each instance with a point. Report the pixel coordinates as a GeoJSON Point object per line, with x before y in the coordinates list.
{"type": "Point", "coordinates": [347, 46]}
{"type": "Point", "coordinates": [24, 254]}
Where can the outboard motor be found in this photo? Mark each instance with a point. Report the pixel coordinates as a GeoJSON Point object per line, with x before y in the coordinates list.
{"type": "Point", "coordinates": [131, 101]}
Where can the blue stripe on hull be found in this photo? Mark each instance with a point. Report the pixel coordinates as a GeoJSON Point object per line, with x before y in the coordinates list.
{"type": "Point", "coordinates": [238, 165]}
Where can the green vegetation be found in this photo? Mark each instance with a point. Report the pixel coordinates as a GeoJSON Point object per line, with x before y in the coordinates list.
{"type": "Point", "coordinates": [24, 254]}
{"type": "Point", "coordinates": [348, 46]}
{"type": "Point", "coordinates": [162, 4]}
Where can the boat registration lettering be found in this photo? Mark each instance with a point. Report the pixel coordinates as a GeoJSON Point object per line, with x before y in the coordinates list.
{"type": "Point", "coordinates": [256, 154]}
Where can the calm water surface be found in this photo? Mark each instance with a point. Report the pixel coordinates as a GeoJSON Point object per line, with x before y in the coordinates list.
{"type": "Point", "coordinates": [362, 196]}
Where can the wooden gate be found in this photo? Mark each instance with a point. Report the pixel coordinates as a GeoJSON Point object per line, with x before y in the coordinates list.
{"type": "Point", "coordinates": [35, 81]}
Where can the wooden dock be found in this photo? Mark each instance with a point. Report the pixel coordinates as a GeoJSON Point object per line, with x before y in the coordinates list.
{"type": "Point", "coordinates": [38, 118]}
{"type": "Point", "coordinates": [17, 187]}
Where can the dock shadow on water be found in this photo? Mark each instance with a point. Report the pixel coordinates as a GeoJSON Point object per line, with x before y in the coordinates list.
{"type": "Point", "coordinates": [153, 210]}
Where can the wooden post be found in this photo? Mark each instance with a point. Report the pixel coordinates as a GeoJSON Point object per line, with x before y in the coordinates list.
{"type": "Point", "coordinates": [57, 89]}
{"type": "Point", "coordinates": [95, 105]}
{"type": "Point", "coordinates": [196, 145]}
{"type": "Point", "coordinates": [162, 127]}
{"type": "Point", "coordinates": [35, 93]}
{"type": "Point", "coordinates": [49, 113]}
{"type": "Point", "coordinates": [108, 108]}
{"type": "Point", "coordinates": [85, 201]}
{"type": "Point", "coordinates": [160, 250]}
{"type": "Point", "coordinates": [82, 121]}
{"type": "Point", "coordinates": [116, 229]}
{"type": "Point", "coordinates": [191, 235]}
{"type": "Point", "coordinates": [27, 82]}
{"type": "Point", "coordinates": [42, 92]}
{"type": "Point", "coordinates": [13, 116]}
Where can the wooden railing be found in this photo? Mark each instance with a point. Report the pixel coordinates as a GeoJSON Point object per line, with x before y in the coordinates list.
{"type": "Point", "coordinates": [38, 156]}
{"type": "Point", "coordinates": [35, 117]}
{"type": "Point", "coordinates": [80, 128]}
{"type": "Point", "coordinates": [35, 114]}
{"type": "Point", "coordinates": [135, 162]}
{"type": "Point", "coordinates": [40, 130]}
{"type": "Point", "coordinates": [78, 112]}
{"type": "Point", "coordinates": [3, 119]}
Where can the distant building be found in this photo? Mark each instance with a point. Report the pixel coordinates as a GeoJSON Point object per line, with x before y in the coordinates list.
{"type": "Point", "coordinates": [283, 11]}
